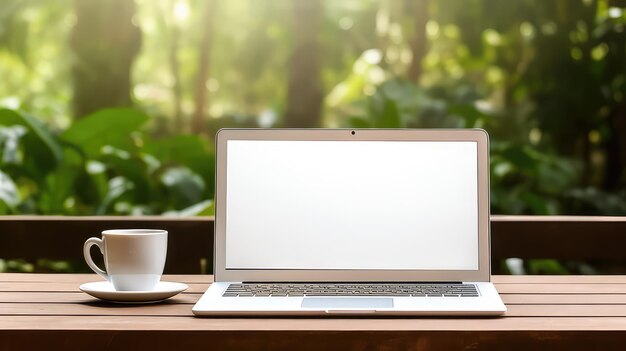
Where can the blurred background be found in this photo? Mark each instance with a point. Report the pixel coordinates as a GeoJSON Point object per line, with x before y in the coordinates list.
{"type": "Point", "coordinates": [111, 106]}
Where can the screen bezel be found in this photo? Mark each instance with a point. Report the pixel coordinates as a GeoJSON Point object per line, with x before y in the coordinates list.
{"type": "Point", "coordinates": [316, 275]}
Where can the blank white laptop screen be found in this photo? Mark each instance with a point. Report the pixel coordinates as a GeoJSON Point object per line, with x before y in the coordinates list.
{"type": "Point", "coordinates": [351, 205]}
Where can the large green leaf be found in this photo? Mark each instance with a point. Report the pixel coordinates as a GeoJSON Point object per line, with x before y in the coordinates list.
{"type": "Point", "coordinates": [105, 127]}
{"type": "Point", "coordinates": [42, 147]}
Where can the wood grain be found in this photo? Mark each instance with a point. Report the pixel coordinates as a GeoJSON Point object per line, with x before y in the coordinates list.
{"type": "Point", "coordinates": [537, 288]}
{"type": "Point", "coordinates": [165, 323]}
{"type": "Point", "coordinates": [207, 278]}
{"type": "Point", "coordinates": [75, 297]}
{"type": "Point", "coordinates": [545, 288]}
{"type": "Point", "coordinates": [85, 278]}
{"type": "Point", "coordinates": [175, 308]}
{"type": "Point", "coordinates": [421, 340]}
{"type": "Point", "coordinates": [558, 279]}
{"type": "Point", "coordinates": [564, 299]}
{"type": "Point", "coordinates": [191, 298]}
{"type": "Point", "coordinates": [69, 287]}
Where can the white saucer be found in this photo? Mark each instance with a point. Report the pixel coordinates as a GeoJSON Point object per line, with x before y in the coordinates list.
{"type": "Point", "coordinates": [104, 290]}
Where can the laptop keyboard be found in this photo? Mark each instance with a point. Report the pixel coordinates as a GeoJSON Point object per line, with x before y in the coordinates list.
{"type": "Point", "coordinates": [408, 290]}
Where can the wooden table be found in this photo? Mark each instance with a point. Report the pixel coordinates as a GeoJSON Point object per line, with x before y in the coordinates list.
{"type": "Point", "coordinates": [44, 311]}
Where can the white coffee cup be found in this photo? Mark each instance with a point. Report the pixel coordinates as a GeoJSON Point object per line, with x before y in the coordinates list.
{"type": "Point", "coordinates": [133, 258]}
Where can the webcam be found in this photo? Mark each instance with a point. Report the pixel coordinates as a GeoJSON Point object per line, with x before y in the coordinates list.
{"type": "Point", "coordinates": [353, 132]}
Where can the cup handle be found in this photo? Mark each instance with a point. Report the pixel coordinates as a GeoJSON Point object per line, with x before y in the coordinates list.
{"type": "Point", "coordinates": [87, 253]}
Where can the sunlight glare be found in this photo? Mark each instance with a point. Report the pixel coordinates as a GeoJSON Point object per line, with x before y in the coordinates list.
{"type": "Point", "coordinates": [267, 118]}
{"type": "Point", "coordinates": [346, 23]}
{"type": "Point", "coordinates": [598, 52]}
{"type": "Point", "coordinates": [372, 56]}
{"type": "Point", "coordinates": [527, 30]}
{"type": "Point", "coordinates": [212, 85]}
{"type": "Point", "coordinates": [432, 29]}
{"type": "Point", "coordinates": [615, 12]}
{"type": "Point", "coordinates": [535, 136]}
{"type": "Point", "coordinates": [181, 11]}
{"type": "Point", "coordinates": [492, 37]}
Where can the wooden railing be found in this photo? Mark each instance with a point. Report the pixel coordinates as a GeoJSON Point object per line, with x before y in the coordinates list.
{"type": "Point", "coordinates": [190, 248]}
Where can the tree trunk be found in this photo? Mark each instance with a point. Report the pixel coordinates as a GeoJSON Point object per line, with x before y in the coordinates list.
{"type": "Point", "coordinates": [304, 94]}
{"type": "Point", "coordinates": [419, 11]}
{"type": "Point", "coordinates": [202, 101]}
{"type": "Point", "coordinates": [105, 43]}
{"type": "Point", "coordinates": [175, 68]}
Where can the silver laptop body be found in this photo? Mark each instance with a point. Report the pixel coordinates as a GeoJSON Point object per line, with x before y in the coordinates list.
{"type": "Point", "coordinates": [339, 221]}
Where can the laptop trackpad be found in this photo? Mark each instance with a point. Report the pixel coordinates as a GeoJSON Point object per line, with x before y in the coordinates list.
{"type": "Point", "coordinates": [343, 303]}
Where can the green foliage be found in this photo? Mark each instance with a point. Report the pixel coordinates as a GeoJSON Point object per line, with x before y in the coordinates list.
{"type": "Point", "coordinates": [546, 79]}
{"type": "Point", "coordinates": [42, 266]}
{"type": "Point", "coordinates": [518, 266]}
{"type": "Point", "coordinates": [102, 164]}
{"type": "Point", "coordinates": [19, 266]}
{"type": "Point", "coordinates": [44, 151]}
{"type": "Point", "coordinates": [524, 178]}
{"type": "Point", "coordinates": [595, 201]}
{"type": "Point", "coordinates": [553, 267]}
{"type": "Point", "coordinates": [110, 128]}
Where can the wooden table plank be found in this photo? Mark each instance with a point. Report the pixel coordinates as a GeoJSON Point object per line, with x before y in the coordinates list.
{"type": "Point", "coordinates": [176, 308]}
{"type": "Point", "coordinates": [497, 279]}
{"type": "Point", "coordinates": [72, 287]}
{"type": "Point", "coordinates": [563, 299]}
{"type": "Point", "coordinates": [206, 279]}
{"type": "Point", "coordinates": [507, 288]}
{"type": "Point", "coordinates": [191, 298]}
{"type": "Point", "coordinates": [96, 308]}
{"type": "Point", "coordinates": [89, 277]}
{"type": "Point", "coordinates": [106, 340]}
{"type": "Point", "coordinates": [141, 323]}
{"type": "Point", "coordinates": [75, 297]}
{"type": "Point", "coordinates": [605, 288]}
{"type": "Point", "coordinates": [566, 311]}
{"type": "Point", "coordinates": [558, 279]}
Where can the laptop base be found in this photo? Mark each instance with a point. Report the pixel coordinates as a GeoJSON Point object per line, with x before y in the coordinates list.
{"type": "Point", "coordinates": [213, 304]}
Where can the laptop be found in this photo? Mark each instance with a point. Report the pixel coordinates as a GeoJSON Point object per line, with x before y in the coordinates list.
{"type": "Point", "coordinates": [327, 222]}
